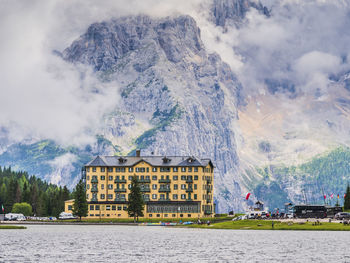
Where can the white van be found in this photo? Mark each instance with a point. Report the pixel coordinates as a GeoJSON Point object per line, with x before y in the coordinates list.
{"type": "Point", "coordinates": [64, 216]}
{"type": "Point", "coordinates": [15, 217]}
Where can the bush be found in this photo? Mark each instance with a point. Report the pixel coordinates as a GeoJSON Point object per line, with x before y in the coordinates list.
{"type": "Point", "coordinates": [22, 208]}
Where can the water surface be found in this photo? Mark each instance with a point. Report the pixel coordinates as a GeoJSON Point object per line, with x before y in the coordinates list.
{"type": "Point", "coordinates": [82, 243]}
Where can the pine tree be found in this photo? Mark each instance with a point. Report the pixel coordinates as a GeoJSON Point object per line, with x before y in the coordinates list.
{"type": "Point", "coordinates": [347, 198]}
{"type": "Point", "coordinates": [135, 202]}
{"type": "Point", "coordinates": [80, 205]}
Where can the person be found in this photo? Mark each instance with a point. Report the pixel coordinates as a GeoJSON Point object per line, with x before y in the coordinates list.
{"type": "Point", "coordinates": [273, 224]}
{"type": "Point", "coordinates": [208, 222]}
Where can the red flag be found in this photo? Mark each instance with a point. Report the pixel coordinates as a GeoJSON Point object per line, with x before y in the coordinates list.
{"type": "Point", "coordinates": [324, 196]}
{"type": "Point", "coordinates": [331, 195]}
{"type": "Point", "coordinates": [247, 196]}
{"type": "Point", "coordinates": [338, 196]}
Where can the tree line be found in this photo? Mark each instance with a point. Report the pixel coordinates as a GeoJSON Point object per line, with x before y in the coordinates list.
{"type": "Point", "coordinates": [46, 199]}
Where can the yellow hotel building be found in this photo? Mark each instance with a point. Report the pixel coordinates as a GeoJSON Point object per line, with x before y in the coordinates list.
{"type": "Point", "coordinates": [171, 186]}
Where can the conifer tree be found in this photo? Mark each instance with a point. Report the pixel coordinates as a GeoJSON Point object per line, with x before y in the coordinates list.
{"type": "Point", "coordinates": [135, 202]}
{"type": "Point", "coordinates": [347, 198]}
{"type": "Point", "coordinates": [80, 205]}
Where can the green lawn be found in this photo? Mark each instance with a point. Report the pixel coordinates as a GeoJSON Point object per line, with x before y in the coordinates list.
{"type": "Point", "coordinates": [267, 225]}
{"type": "Point", "coordinates": [12, 227]}
{"type": "Point", "coordinates": [147, 220]}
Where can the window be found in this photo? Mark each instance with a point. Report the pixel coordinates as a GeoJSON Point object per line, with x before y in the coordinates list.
{"type": "Point", "coordinates": [102, 196]}
{"type": "Point", "coordinates": [175, 169]}
{"type": "Point", "coordinates": [110, 169]}
{"type": "Point", "coordinates": [129, 186]}
{"type": "Point", "coordinates": [196, 169]}
{"type": "Point", "coordinates": [165, 169]}
{"type": "Point", "coordinates": [119, 207]}
{"type": "Point", "coordinates": [125, 208]}
{"type": "Point", "coordinates": [154, 169]}
{"type": "Point", "coordinates": [183, 186]}
{"type": "Point", "coordinates": [69, 207]}
{"type": "Point", "coordinates": [162, 196]}
{"type": "Point", "coordinates": [183, 197]}
{"type": "Point", "coordinates": [196, 177]}
{"type": "Point", "coordinates": [97, 207]}
{"type": "Point", "coordinates": [174, 215]}
{"type": "Point", "coordinates": [165, 215]}
{"type": "Point", "coordinates": [91, 207]}
{"type": "Point", "coordinates": [189, 215]}
{"type": "Point", "coordinates": [87, 186]}
{"type": "Point", "coordinates": [110, 196]}
{"type": "Point", "coordinates": [87, 196]}
{"type": "Point", "coordinates": [117, 169]}
{"type": "Point", "coordinates": [140, 169]}
{"type": "Point", "coordinates": [130, 178]}
{"type": "Point", "coordinates": [110, 177]}
{"type": "Point", "coordinates": [154, 177]}
{"type": "Point", "coordinates": [183, 177]}
{"type": "Point", "coordinates": [195, 187]}
{"type": "Point", "coordinates": [88, 177]}
{"type": "Point", "coordinates": [154, 196]}
{"type": "Point", "coordinates": [175, 186]}
{"type": "Point", "coordinates": [183, 169]}
{"type": "Point", "coordinates": [175, 196]}
{"type": "Point", "coordinates": [122, 170]}
{"type": "Point", "coordinates": [103, 177]}
{"type": "Point", "coordinates": [94, 169]}
{"type": "Point", "coordinates": [108, 207]}
{"type": "Point", "coordinates": [114, 207]}
{"type": "Point", "coordinates": [195, 196]}
{"type": "Point", "coordinates": [131, 169]}
{"type": "Point", "coordinates": [147, 177]}
{"type": "Point", "coordinates": [102, 169]}
{"type": "Point", "coordinates": [102, 186]}
{"type": "Point", "coordinates": [150, 215]}
{"type": "Point", "coordinates": [110, 186]}
{"type": "Point", "coordinates": [190, 169]}
{"type": "Point", "coordinates": [154, 186]}
{"type": "Point", "coordinates": [175, 177]}
{"type": "Point", "coordinates": [88, 169]}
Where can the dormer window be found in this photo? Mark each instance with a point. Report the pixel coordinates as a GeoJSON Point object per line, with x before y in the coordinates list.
{"type": "Point", "coordinates": [122, 160]}
{"type": "Point", "coordinates": [166, 160]}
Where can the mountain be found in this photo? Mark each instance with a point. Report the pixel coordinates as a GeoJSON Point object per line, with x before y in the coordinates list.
{"type": "Point", "coordinates": [274, 127]}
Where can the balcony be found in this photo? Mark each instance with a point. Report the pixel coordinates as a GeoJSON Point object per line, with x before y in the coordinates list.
{"type": "Point", "coordinates": [120, 190]}
{"type": "Point", "coordinates": [120, 199]}
{"type": "Point", "coordinates": [164, 190]}
{"type": "Point", "coordinates": [189, 190]}
{"type": "Point", "coordinates": [143, 181]}
{"type": "Point", "coordinates": [94, 180]}
{"type": "Point", "coordinates": [189, 180]}
{"type": "Point", "coordinates": [145, 189]}
{"type": "Point", "coordinates": [164, 199]}
{"type": "Point", "coordinates": [164, 181]}
{"type": "Point", "coordinates": [207, 212]}
{"type": "Point", "coordinates": [94, 188]}
{"type": "Point", "coordinates": [120, 181]}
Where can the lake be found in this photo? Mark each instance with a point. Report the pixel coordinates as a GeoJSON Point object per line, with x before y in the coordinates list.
{"type": "Point", "coordinates": [101, 243]}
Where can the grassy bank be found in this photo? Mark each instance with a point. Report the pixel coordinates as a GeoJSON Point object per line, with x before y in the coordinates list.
{"type": "Point", "coordinates": [147, 220]}
{"type": "Point", "coordinates": [267, 225]}
{"type": "Point", "coordinates": [12, 227]}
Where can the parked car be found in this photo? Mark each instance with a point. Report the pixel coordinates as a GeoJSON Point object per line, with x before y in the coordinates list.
{"type": "Point", "coordinates": [14, 217]}
{"type": "Point", "coordinates": [65, 216]}
{"type": "Point", "coordinates": [342, 215]}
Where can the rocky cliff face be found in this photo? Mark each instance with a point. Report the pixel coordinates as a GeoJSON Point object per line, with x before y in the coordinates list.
{"type": "Point", "coordinates": [175, 97]}
{"type": "Point", "coordinates": [232, 12]}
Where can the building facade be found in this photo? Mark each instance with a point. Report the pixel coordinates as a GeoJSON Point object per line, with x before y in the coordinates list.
{"type": "Point", "coordinates": [172, 187]}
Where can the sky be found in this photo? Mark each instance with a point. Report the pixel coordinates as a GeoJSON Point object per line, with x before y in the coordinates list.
{"type": "Point", "coordinates": [303, 42]}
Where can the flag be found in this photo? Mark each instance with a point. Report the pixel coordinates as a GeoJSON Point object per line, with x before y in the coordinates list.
{"type": "Point", "coordinates": [324, 196]}
{"type": "Point", "coordinates": [331, 195]}
{"type": "Point", "coordinates": [344, 196]}
{"type": "Point", "coordinates": [2, 208]}
{"type": "Point", "coordinates": [338, 196]}
{"type": "Point", "coordinates": [247, 196]}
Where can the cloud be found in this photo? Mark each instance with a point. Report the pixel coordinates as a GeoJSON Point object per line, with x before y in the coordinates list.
{"type": "Point", "coordinates": [44, 96]}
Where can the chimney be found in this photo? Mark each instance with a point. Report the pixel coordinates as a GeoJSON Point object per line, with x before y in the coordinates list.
{"type": "Point", "coordinates": [138, 153]}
